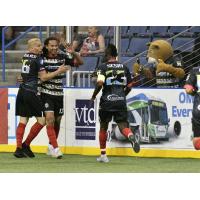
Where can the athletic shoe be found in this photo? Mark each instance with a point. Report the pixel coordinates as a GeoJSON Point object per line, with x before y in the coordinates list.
{"type": "Point", "coordinates": [19, 153]}
{"type": "Point", "coordinates": [135, 143]}
{"type": "Point", "coordinates": [49, 150]}
{"type": "Point", "coordinates": [103, 158]}
{"type": "Point", "coordinates": [27, 150]}
{"type": "Point", "coordinates": [56, 153]}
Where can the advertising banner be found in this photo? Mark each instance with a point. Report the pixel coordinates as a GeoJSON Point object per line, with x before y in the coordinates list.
{"type": "Point", "coordinates": [3, 116]}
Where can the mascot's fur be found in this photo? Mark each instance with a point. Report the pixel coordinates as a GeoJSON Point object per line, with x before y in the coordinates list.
{"type": "Point", "coordinates": [160, 50]}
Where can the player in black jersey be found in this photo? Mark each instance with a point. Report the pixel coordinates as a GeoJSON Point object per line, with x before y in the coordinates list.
{"type": "Point", "coordinates": [115, 79]}
{"type": "Point", "coordinates": [52, 90]}
{"type": "Point", "coordinates": [28, 102]}
{"type": "Point", "coordinates": [192, 87]}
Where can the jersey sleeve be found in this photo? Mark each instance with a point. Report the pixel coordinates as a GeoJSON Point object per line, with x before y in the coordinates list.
{"type": "Point", "coordinates": [40, 64]}
{"type": "Point", "coordinates": [191, 79]}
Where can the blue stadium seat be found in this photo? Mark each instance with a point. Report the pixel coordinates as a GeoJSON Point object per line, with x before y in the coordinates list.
{"type": "Point", "coordinates": [124, 45]}
{"type": "Point", "coordinates": [128, 61]}
{"type": "Point", "coordinates": [158, 29]}
{"type": "Point", "coordinates": [195, 29]}
{"type": "Point", "coordinates": [137, 29]}
{"type": "Point", "coordinates": [138, 45]}
{"type": "Point", "coordinates": [162, 38]}
{"type": "Point", "coordinates": [124, 30]}
{"type": "Point", "coordinates": [183, 44]}
{"type": "Point", "coordinates": [177, 29]}
{"type": "Point", "coordinates": [90, 63]}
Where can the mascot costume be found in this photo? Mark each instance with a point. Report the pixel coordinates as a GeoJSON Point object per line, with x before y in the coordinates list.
{"type": "Point", "coordinates": [163, 69]}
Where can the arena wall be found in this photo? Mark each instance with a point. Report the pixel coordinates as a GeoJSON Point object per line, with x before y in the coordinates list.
{"type": "Point", "coordinates": [79, 126]}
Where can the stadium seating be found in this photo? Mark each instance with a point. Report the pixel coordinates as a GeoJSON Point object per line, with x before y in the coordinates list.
{"type": "Point", "coordinates": [90, 63]}
{"type": "Point", "coordinates": [137, 29]}
{"type": "Point", "coordinates": [124, 45]}
{"type": "Point", "coordinates": [138, 45]}
{"type": "Point", "coordinates": [158, 29]}
{"type": "Point", "coordinates": [177, 29]}
{"type": "Point", "coordinates": [183, 44]}
{"type": "Point", "coordinates": [195, 29]}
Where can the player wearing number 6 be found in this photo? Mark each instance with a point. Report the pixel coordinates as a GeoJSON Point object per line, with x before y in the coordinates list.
{"type": "Point", "coordinates": [28, 102]}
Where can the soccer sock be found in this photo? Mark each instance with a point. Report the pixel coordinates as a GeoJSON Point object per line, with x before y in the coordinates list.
{"type": "Point", "coordinates": [102, 141]}
{"type": "Point", "coordinates": [57, 129]}
{"type": "Point", "coordinates": [52, 136]}
{"type": "Point", "coordinates": [35, 129]}
{"type": "Point", "coordinates": [127, 132]}
{"type": "Point", "coordinates": [19, 134]}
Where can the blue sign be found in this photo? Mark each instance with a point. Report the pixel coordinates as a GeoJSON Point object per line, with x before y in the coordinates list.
{"type": "Point", "coordinates": [85, 122]}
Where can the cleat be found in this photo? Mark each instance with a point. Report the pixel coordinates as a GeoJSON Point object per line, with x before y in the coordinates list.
{"type": "Point", "coordinates": [49, 150]}
{"type": "Point", "coordinates": [19, 153]}
{"type": "Point", "coordinates": [103, 158]}
{"type": "Point", "coordinates": [27, 150]}
{"type": "Point", "coordinates": [135, 143]}
{"type": "Point", "coordinates": [56, 153]}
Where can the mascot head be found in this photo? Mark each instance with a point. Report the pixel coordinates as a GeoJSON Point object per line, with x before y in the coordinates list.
{"type": "Point", "coordinates": [159, 49]}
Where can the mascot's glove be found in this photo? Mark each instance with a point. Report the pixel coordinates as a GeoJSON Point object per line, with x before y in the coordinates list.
{"type": "Point", "coordinates": [136, 69]}
{"type": "Point", "coordinates": [163, 67]}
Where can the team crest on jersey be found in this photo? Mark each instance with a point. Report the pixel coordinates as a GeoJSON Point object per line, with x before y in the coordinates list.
{"type": "Point", "coordinates": [46, 105]}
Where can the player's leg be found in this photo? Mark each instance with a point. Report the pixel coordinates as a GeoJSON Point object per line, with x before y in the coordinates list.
{"type": "Point", "coordinates": [36, 109]}
{"type": "Point", "coordinates": [21, 110]}
{"type": "Point", "coordinates": [121, 119]}
{"type": "Point", "coordinates": [196, 123]}
{"type": "Point", "coordinates": [19, 137]}
{"type": "Point", "coordinates": [49, 103]}
{"type": "Point", "coordinates": [104, 118]}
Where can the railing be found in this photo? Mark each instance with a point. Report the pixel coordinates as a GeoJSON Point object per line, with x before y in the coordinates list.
{"type": "Point", "coordinates": [5, 46]}
{"type": "Point", "coordinates": [82, 78]}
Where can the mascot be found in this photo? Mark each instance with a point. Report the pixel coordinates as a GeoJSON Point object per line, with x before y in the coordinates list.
{"type": "Point", "coordinates": [163, 69]}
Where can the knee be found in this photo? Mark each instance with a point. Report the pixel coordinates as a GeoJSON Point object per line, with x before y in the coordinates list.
{"type": "Point", "coordinates": [50, 120]}
{"type": "Point", "coordinates": [196, 143]}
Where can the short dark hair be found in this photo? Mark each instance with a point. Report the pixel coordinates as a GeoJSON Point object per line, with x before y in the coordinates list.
{"type": "Point", "coordinates": [46, 42]}
{"type": "Point", "coordinates": [111, 50]}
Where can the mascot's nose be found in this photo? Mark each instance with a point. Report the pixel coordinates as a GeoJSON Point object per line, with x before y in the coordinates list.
{"type": "Point", "coordinates": [152, 60]}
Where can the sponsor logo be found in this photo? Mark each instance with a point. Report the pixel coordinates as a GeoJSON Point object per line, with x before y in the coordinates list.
{"type": "Point", "coordinates": [114, 97]}
{"type": "Point", "coordinates": [85, 121]}
{"type": "Point", "coordinates": [46, 105]}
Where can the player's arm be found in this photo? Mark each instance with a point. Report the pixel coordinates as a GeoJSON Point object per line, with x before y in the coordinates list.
{"type": "Point", "coordinates": [44, 76]}
{"type": "Point", "coordinates": [190, 84]}
{"type": "Point", "coordinates": [99, 85]}
{"type": "Point", "coordinates": [129, 85]}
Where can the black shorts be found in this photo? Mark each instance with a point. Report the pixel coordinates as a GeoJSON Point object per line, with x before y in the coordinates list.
{"type": "Point", "coordinates": [106, 116]}
{"type": "Point", "coordinates": [196, 117]}
{"type": "Point", "coordinates": [28, 104]}
{"type": "Point", "coordinates": [53, 104]}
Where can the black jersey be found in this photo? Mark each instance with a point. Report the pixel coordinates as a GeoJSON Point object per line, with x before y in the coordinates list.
{"type": "Point", "coordinates": [117, 77]}
{"type": "Point", "coordinates": [55, 85]}
{"type": "Point", "coordinates": [31, 65]}
{"type": "Point", "coordinates": [167, 80]}
{"type": "Point", "coordinates": [194, 79]}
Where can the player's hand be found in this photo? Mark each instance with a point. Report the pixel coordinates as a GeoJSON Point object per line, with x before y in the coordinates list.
{"type": "Point", "coordinates": [63, 68]}
{"type": "Point", "coordinates": [91, 102]}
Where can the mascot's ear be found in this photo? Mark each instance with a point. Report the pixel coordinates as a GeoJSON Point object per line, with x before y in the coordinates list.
{"type": "Point", "coordinates": [148, 44]}
{"type": "Point", "coordinates": [155, 46]}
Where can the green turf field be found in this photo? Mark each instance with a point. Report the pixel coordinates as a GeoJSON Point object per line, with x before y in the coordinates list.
{"type": "Point", "coordinates": [79, 163]}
